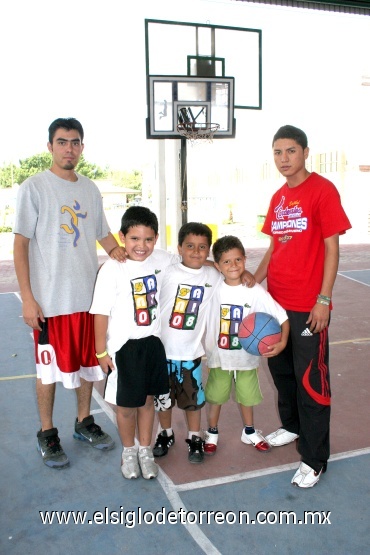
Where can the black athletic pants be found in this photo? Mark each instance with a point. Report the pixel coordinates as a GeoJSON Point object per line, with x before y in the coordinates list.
{"type": "Point", "coordinates": [301, 377]}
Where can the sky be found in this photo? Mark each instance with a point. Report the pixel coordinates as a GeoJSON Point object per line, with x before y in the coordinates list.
{"type": "Point", "coordinates": [86, 59]}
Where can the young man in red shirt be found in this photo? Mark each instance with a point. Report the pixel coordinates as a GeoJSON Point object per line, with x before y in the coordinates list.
{"type": "Point", "coordinates": [304, 220]}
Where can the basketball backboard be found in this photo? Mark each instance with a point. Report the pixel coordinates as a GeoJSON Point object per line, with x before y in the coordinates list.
{"type": "Point", "coordinates": [202, 72]}
{"type": "Point", "coordinates": [201, 100]}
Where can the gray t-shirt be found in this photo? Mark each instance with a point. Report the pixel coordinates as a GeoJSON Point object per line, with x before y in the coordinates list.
{"type": "Point", "coordinates": [63, 221]}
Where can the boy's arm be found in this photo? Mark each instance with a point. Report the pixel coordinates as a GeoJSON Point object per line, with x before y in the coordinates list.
{"type": "Point", "coordinates": [280, 346]}
{"type": "Point", "coordinates": [247, 278]}
{"type": "Point", "coordinates": [100, 330]}
{"type": "Point", "coordinates": [32, 312]}
{"type": "Point", "coordinates": [111, 247]}
{"type": "Point", "coordinates": [212, 325]}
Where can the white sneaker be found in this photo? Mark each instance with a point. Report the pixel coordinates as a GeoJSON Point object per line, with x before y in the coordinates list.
{"type": "Point", "coordinates": [306, 477]}
{"type": "Point", "coordinates": [257, 440]}
{"type": "Point", "coordinates": [149, 468]}
{"type": "Point", "coordinates": [281, 437]}
{"type": "Point", "coordinates": [210, 445]}
{"type": "Point", "coordinates": [130, 465]}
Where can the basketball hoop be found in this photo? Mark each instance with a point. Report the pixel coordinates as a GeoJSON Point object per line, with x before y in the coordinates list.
{"type": "Point", "coordinates": [197, 132]}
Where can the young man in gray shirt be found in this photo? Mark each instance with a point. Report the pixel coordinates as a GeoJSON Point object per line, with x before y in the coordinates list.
{"type": "Point", "coordinates": [59, 218]}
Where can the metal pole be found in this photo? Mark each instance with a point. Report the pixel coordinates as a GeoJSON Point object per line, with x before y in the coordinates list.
{"type": "Point", "coordinates": [162, 196]}
{"type": "Point", "coordinates": [184, 181]}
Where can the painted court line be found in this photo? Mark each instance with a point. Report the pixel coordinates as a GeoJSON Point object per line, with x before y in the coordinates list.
{"type": "Point", "coordinates": [177, 504]}
{"type": "Point", "coordinates": [346, 274]}
{"type": "Point", "coordinates": [356, 280]}
{"type": "Point", "coordinates": [104, 407]}
{"type": "Point", "coordinates": [172, 490]}
{"type": "Point", "coordinates": [169, 489]}
{"type": "Point", "coordinates": [263, 472]}
{"type": "Point", "coordinates": [97, 411]}
{"type": "Point", "coordinates": [17, 377]}
{"type": "Point", "coordinates": [359, 340]}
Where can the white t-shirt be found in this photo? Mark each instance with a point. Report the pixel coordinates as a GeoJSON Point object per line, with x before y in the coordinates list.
{"type": "Point", "coordinates": [185, 299]}
{"type": "Point", "coordinates": [63, 220]}
{"type": "Point", "coordinates": [230, 306]}
{"type": "Point", "coordinates": [128, 293]}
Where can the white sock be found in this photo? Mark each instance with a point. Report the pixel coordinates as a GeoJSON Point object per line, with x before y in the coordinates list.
{"type": "Point", "coordinates": [169, 431]}
{"type": "Point", "coordinates": [141, 447]}
{"type": "Point", "coordinates": [190, 434]}
{"type": "Point", "coordinates": [125, 448]}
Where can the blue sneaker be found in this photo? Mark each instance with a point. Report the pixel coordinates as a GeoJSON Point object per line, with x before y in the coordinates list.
{"type": "Point", "coordinates": [48, 444]}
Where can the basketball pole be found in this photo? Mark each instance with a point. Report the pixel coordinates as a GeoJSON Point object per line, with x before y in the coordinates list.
{"type": "Point", "coordinates": [184, 181]}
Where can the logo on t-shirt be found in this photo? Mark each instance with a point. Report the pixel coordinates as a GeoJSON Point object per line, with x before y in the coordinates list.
{"type": "Point", "coordinates": [231, 316]}
{"type": "Point", "coordinates": [185, 310]}
{"type": "Point", "coordinates": [285, 238]}
{"type": "Point", "coordinates": [288, 218]}
{"type": "Point", "coordinates": [73, 227]}
{"type": "Point", "coordinates": [145, 303]}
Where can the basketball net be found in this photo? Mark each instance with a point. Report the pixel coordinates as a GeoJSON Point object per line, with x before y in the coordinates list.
{"type": "Point", "coordinates": [197, 133]}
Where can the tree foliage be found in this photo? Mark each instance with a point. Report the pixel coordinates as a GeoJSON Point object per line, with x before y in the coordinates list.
{"type": "Point", "coordinates": [7, 176]}
{"type": "Point", "coordinates": [129, 180]}
{"type": "Point", "coordinates": [11, 173]}
{"type": "Point", "coordinates": [91, 170]}
{"type": "Point", "coordinates": [33, 164]}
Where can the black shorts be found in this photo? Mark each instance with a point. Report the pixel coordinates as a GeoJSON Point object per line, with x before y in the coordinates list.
{"type": "Point", "coordinates": [141, 371]}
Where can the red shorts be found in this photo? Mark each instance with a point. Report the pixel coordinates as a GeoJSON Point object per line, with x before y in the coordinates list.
{"type": "Point", "coordinates": [65, 350]}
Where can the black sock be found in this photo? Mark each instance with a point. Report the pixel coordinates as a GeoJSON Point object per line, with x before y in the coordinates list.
{"type": "Point", "coordinates": [213, 430]}
{"type": "Point", "coordinates": [249, 430]}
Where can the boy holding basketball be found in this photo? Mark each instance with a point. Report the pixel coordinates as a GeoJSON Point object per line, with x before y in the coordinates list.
{"type": "Point", "coordinates": [228, 361]}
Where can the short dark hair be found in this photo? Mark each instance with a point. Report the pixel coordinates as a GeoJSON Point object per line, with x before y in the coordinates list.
{"type": "Point", "coordinates": [139, 215]}
{"type": "Point", "coordinates": [225, 244]}
{"type": "Point", "coordinates": [194, 228]}
{"type": "Point", "coordinates": [65, 123]}
{"type": "Point", "coordinates": [291, 132]}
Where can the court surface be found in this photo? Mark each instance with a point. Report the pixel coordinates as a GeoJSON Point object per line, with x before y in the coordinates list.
{"type": "Point", "coordinates": [190, 508]}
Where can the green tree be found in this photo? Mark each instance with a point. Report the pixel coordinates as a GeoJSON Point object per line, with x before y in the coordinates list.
{"type": "Point", "coordinates": [8, 176]}
{"type": "Point", "coordinates": [39, 162]}
{"type": "Point", "coordinates": [130, 180]}
{"type": "Point", "coordinates": [91, 170]}
{"type": "Point", "coordinates": [33, 164]}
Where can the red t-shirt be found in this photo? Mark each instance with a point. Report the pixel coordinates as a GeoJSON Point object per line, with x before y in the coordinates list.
{"type": "Point", "coordinates": [299, 219]}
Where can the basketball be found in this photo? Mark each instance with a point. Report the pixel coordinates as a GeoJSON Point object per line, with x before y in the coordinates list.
{"type": "Point", "coordinates": [257, 332]}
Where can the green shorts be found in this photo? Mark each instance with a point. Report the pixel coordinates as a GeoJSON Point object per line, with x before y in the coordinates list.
{"type": "Point", "coordinates": [247, 387]}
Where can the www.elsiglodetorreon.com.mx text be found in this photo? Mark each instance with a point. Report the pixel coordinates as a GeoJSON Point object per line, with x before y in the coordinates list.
{"type": "Point", "coordinates": [136, 517]}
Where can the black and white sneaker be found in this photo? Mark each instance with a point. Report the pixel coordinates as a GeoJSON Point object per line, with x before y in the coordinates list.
{"type": "Point", "coordinates": [196, 449]}
{"type": "Point", "coordinates": [163, 443]}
